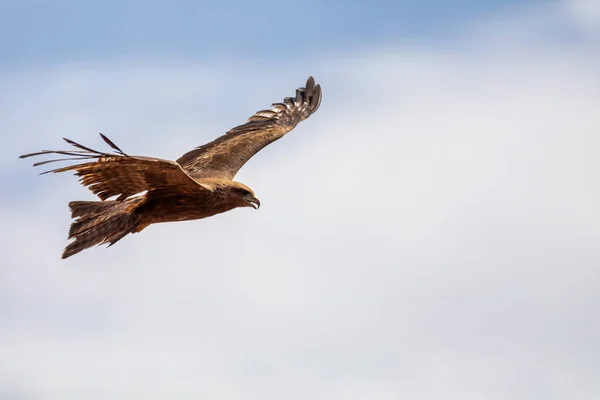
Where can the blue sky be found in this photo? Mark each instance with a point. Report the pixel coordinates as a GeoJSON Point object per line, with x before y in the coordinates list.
{"type": "Point", "coordinates": [431, 232]}
{"type": "Point", "coordinates": [49, 31]}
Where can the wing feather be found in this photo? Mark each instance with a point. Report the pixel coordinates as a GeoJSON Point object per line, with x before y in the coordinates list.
{"type": "Point", "coordinates": [119, 174]}
{"type": "Point", "coordinates": [224, 156]}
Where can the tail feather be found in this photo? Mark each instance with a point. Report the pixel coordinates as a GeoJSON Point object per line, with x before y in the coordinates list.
{"type": "Point", "coordinates": [100, 222]}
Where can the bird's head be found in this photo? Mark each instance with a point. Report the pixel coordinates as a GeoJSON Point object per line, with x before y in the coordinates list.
{"type": "Point", "coordinates": [243, 196]}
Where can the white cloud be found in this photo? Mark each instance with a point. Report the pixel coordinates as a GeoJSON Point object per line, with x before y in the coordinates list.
{"type": "Point", "coordinates": [585, 13]}
{"type": "Point", "coordinates": [433, 231]}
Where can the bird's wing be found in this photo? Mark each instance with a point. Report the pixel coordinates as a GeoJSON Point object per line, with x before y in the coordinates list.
{"type": "Point", "coordinates": [224, 156]}
{"type": "Point", "coordinates": [119, 174]}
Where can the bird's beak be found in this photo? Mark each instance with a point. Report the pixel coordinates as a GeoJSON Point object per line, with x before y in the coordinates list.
{"type": "Point", "coordinates": [255, 203]}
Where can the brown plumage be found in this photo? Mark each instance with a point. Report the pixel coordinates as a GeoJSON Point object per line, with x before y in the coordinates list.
{"type": "Point", "coordinates": [149, 190]}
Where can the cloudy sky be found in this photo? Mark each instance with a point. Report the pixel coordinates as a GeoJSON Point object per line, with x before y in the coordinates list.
{"type": "Point", "coordinates": [433, 231]}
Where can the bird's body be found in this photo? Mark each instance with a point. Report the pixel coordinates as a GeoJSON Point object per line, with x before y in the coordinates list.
{"type": "Point", "coordinates": [172, 207]}
{"type": "Point", "coordinates": [150, 190]}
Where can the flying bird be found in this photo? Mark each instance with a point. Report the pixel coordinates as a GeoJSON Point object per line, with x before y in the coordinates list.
{"type": "Point", "coordinates": [137, 191]}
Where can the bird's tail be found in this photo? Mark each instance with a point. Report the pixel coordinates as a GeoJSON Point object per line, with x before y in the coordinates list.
{"type": "Point", "coordinates": [100, 222]}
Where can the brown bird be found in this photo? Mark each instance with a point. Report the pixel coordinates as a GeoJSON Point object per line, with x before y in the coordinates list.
{"type": "Point", "coordinates": [150, 190]}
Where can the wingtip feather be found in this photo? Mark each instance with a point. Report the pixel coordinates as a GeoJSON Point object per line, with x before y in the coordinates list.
{"type": "Point", "coordinates": [111, 144]}
{"type": "Point", "coordinates": [310, 86]}
{"type": "Point", "coordinates": [315, 100]}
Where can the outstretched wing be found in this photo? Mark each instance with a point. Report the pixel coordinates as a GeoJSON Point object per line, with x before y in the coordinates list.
{"type": "Point", "coordinates": [224, 156]}
{"type": "Point", "coordinates": [119, 174]}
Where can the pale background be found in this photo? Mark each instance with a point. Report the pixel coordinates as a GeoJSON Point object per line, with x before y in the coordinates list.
{"type": "Point", "coordinates": [432, 232]}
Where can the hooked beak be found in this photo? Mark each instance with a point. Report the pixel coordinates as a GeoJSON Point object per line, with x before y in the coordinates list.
{"type": "Point", "coordinates": [255, 203]}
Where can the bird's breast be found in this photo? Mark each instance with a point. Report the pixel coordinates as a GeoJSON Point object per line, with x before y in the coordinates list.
{"type": "Point", "coordinates": [180, 207]}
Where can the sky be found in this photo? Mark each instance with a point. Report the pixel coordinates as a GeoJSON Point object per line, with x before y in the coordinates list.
{"type": "Point", "coordinates": [433, 231]}
{"type": "Point", "coordinates": [70, 29]}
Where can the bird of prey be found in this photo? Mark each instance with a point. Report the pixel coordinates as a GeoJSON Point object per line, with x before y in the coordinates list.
{"type": "Point", "coordinates": [137, 191]}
